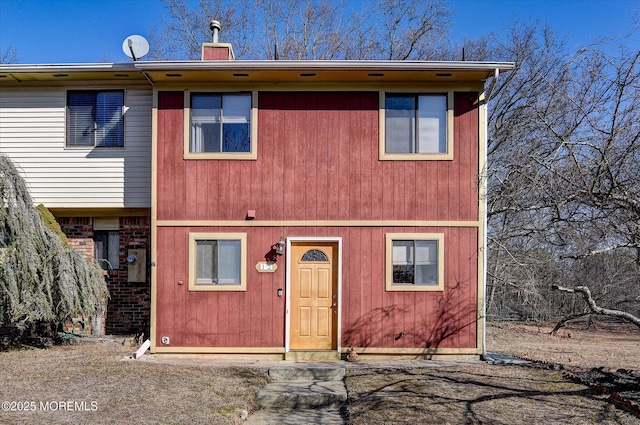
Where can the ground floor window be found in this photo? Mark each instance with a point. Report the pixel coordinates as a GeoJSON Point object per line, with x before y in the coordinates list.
{"type": "Point", "coordinates": [217, 262]}
{"type": "Point", "coordinates": [414, 261]}
{"type": "Point", "coordinates": [107, 248]}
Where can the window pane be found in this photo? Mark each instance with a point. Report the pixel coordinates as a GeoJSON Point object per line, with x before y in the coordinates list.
{"type": "Point", "coordinates": [399, 124]}
{"type": "Point", "coordinates": [114, 250]}
{"type": "Point", "coordinates": [80, 125]}
{"type": "Point", "coordinates": [206, 259]}
{"type": "Point", "coordinates": [206, 112]}
{"type": "Point", "coordinates": [314, 255]}
{"type": "Point", "coordinates": [432, 124]}
{"type": "Point", "coordinates": [426, 274]}
{"type": "Point", "coordinates": [100, 249]}
{"type": "Point", "coordinates": [426, 252]}
{"type": "Point", "coordinates": [236, 123]}
{"type": "Point", "coordinates": [426, 263]}
{"type": "Point", "coordinates": [109, 119]}
{"type": "Point", "coordinates": [237, 108]}
{"type": "Point", "coordinates": [229, 261]}
{"type": "Point", "coordinates": [107, 249]}
{"type": "Point", "coordinates": [402, 261]}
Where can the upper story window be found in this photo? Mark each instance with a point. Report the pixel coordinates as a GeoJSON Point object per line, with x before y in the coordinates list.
{"type": "Point", "coordinates": [220, 126]}
{"type": "Point", "coordinates": [95, 118]}
{"type": "Point", "coordinates": [416, 126]}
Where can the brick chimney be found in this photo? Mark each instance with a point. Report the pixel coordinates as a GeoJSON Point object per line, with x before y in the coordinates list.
{"type": "Point", "coordinates": [216, 51]}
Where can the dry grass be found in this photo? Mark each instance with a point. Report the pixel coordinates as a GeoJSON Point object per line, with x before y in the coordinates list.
{"type": "Point", "coordinates": [502, 394]}
{"type": "Point", "coordinates": [189, 393]}
{"type": "Point", "coordinates": [480, 394]}
{"type": "Point", "coordinates": [612, 345]}
{"type": "Point", "coordinates": [123, 392]}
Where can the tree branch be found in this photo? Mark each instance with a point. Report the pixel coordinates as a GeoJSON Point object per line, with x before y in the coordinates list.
{"type": "Point", "coordinates": [586, 295]}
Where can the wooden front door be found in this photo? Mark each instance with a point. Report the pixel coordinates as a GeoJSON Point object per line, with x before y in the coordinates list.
{"type": "Point", "coordinates": [314, 296]}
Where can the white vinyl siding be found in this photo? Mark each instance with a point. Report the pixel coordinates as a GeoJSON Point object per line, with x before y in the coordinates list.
{"type": "Point", "coordinates": [33, 135]}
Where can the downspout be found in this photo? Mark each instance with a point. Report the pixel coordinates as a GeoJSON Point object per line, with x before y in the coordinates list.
{"type": "Point", "coordinates": [485, 220]}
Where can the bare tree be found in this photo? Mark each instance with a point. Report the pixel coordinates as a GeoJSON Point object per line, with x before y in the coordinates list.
{"type": "Point", "coordinates": [306, 29]}
{"type": "Point", "coordinates": [9, 54]}
{"type": "Point", "coordinates": [185, 29]}
{"type": "Point", "coordinates": [406, 30]}
{"type": "Point", "coordinates": [564, 173]}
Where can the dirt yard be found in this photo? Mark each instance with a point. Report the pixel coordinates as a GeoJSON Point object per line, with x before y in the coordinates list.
{"type": "Point", "coordinates": [611, 345]}
{"type": "Point", "coordinates": [88, 383]}
{"type": "Point", "coordinates": [504, 394]}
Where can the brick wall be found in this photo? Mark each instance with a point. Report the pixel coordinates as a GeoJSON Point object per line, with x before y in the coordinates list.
{"type": "Point", "coordinates": [129, 308]}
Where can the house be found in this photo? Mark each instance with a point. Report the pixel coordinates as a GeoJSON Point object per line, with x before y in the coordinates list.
{"type": "Point", "coordinates": [296, 208]}
{"type": "Point", "coordinates": [81, 136]}
{"type": "Point", "coordinates": [303, 207]}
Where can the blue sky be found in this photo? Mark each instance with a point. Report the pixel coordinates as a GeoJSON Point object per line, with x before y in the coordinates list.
{"type": "Point", "coordinates": [71, 31]}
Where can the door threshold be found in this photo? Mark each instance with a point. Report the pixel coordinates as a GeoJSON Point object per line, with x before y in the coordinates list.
{"type": "Point", "coordinates": [312, 355]}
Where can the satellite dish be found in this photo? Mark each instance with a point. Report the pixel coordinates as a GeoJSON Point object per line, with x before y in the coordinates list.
{"type": "Point", "coordinates": [135, 46]}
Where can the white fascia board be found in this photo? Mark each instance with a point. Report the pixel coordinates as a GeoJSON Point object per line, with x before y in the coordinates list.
{"type": "Point", "coordinates": [273, 65]}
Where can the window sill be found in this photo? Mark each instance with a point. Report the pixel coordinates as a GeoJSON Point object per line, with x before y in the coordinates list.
{"type": "Point", "coordinates": [246, 156]}
{"type": "Point", "coordinates": [416, 156]}
{"type": "Point", "coordinates": [218, 288]}
{"type": "Point", "coordinates": [414, 288]}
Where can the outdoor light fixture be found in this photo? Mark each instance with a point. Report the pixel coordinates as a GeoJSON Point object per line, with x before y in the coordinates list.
{"type": "Point", "coordinates": [279, 247]}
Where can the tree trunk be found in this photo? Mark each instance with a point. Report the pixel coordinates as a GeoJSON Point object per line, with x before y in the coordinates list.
{"type": "Point", "coordinates": [586, 295]}
{"type": "Point", "coordinates": [565, 320]}
{"type": "Point", "coordinates": [97, 324]}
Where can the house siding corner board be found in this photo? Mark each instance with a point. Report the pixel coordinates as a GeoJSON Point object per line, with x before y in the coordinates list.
{"type": "Point", "coordinates": [32, 124]}
{"type": "Point", "coordinates": [317, 160]}
{"type": "Point", "coordinates": [371, 316]}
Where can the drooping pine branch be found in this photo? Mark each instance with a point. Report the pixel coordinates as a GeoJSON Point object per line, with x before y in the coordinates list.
{"type": "Point", "coordinates": [41, 279]}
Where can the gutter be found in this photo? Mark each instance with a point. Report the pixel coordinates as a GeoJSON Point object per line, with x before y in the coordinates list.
{"type": "Point", "coordinates": [271, 65]}
{"type": "Point", "coordinates": [74, 67]}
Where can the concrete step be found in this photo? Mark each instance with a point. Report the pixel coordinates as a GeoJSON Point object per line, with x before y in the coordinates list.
{"type": "Point", "coordinates": [307, 372]}
{"type": "Point", "coordinates": [302, 395]}
{"type": "Point", "coordinates": [296, 417]}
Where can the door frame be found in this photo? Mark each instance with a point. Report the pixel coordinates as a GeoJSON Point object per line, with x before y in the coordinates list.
{"type": "Point", "coordinates": [291, 240]}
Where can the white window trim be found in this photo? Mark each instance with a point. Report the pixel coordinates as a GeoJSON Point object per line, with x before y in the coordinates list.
{"type": "Point", "coordinates": [251, 155]}
{"type": "Point", "coordinates": [384, 156]}
{"type": "Point", "coordinates": [194, 237]}
{"type": "Point", "coordinates": [390, 237]}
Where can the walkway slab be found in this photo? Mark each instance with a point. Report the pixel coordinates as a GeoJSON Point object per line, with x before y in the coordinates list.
{"type": "Point", "coordinates": [302, 394]}
{"type": "Point", "coordinates": [307, 372]}
{"type": "Point", "coordinates": [296, 417]}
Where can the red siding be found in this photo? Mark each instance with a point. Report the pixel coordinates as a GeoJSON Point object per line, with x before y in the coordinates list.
{"type": "Point", "coordinates": [370, 315]}
{"type": "Point", "coordinates": [318, 160]}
